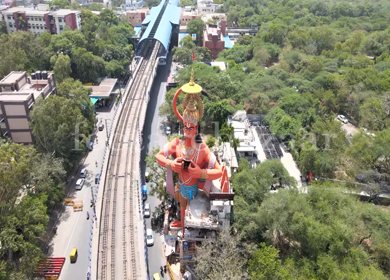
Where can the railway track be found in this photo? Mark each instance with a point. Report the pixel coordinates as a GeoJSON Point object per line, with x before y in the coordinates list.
{"type": "Point", "coordinates": [118, 239]}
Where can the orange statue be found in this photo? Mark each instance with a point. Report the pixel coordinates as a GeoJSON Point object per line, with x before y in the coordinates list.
{"type": "Point", "coordinates": [192, 159]}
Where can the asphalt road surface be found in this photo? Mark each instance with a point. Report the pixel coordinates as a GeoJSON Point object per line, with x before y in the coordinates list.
{"type": "Point", "coordinates": [154, 136]}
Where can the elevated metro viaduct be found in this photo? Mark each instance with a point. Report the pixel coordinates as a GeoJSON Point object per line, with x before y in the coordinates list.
{"type": "Point", "coordinates": [162, 25]}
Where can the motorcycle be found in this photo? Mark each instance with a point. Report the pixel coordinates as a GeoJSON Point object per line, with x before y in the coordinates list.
{"type": "Point", "coordinates": [87, 215]}
{"type": "Point", "coordinates": [161, 271]}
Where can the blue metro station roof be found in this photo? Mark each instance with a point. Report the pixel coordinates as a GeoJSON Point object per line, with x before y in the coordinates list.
{"type": "Point", "coordinates": [170, 17]}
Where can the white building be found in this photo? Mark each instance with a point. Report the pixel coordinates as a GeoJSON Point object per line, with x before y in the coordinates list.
{"type": "Point", "coordinates": [40, 20]}
{"type": "Point", "coordinates": [207, 7]}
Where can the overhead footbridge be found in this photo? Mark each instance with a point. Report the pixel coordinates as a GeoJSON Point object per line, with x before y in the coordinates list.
{"type": "Point", "coordinates": [161, 25]}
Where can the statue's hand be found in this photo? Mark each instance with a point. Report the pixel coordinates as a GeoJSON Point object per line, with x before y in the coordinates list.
{"type": "Point", "coordinates": [194, 170]}
{"type": "Point", "coordinates": [177, 165]}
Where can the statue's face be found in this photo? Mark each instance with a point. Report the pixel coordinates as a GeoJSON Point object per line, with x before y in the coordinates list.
{"type": "Point", "coordinates": [190, 130]}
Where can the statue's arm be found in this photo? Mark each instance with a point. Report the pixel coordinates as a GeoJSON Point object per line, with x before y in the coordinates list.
{"type": "Point", "coordinates": [214, 173]}
{"type": "Point", "coordinates": [176, 165]}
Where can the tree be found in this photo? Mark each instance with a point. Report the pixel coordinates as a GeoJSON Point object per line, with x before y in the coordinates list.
{"type": "Point", "coordinates": [118, 3]}
{"type": "Point", "coordinates": [381, 149]}
{"type": "Point", "coordinates": [203, 54]}
{"type": "Point", "coordinates": [184, 3]}
{"type": "Point", "coordinates": [224, 258]}
{"type": "Point", "coordinates": [267, 265]}
{"type": "Point", "coordinates": [61, 4]}
{"type": "Point", "coordinates": [60, 128]}
{"type": "Point", "coordinates": [245, 40]}
{"type": "Point", "coordinates": [89, 66]}
{"type": "Point", "coordinates": [3, 27]}
{"type": "Point", "coordinates": [372, 114]}
{"type": "Point", "coordinates": [157, 175]}
{"type": "Point", "coordinates": [281, 124]}
{"type": "Point", "coordinates": [319, 228]}
{"type": "Point", "coordinates": [109, 17]}
{"type": "Point", "coordinates": [151, 3]}
{"type": "Point", "coordinates": [196, 26]}
{"type": "Point", "coordinates": [210, 142]}
{"type": "Point", "coordinates": [61, 67]}
{"type": "Point", "coordinates": [261, 56]}
{"type": "Point", "coordinates": [21, 23]}
{"type": "Point", "coordinates": [182, 55]}
{"type": "Point", "coordinates": [187, 42]}
{"type": "Point", "coordinates": [218, 111]}
{"type": "Point", "coordinates": [115, 69]}
{"type": "Point", "coordinates": [96, 7]}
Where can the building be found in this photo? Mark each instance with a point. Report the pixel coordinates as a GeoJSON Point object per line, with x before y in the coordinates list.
{"type": "Point", "coordinates": [214, 16]}
{"type": "Point", "coordinates": [2, 8]}
{"type": "Point", "coordinates": [213, 38]}
{"type": "Point", "coordinates": [103, 93]}
{"type": "Point", "coordinates": [235, 33]}
{"type": "Point", "coordinates": [136, 17]}
{"type": "Point", "coordinates": [18, 94]}
{"type": "Point", "coordinates": [66, 17]}
{"type": "Point", "coordinates": [41, 19]}
{"type": "Point", "coordinates": [187, 15]}
{"type": "Point", "coordinates": [207, 7]}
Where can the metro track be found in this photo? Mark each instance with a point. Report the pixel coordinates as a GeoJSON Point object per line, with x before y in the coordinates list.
{"type": "Point", "coordinates": [118, 255]}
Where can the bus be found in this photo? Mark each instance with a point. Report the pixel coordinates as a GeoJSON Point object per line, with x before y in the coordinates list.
{"type": "Point", "coordinates": [171, 83]}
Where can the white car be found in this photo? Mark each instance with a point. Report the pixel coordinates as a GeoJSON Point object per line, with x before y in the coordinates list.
{"type": "Point", "coordinates": [147, 210]}
{"type": "Point", "coordinates": [80, 184]}
{"type": "Point", "coordinates": [149, 237]}
{"type": "Point", "coordinates": [342, 118]}
{"type": "Point", "coordinates": [168, 131]}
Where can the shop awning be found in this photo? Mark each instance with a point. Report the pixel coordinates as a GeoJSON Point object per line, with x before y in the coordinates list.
{"type": "Point", "coordinates": [94, 100]}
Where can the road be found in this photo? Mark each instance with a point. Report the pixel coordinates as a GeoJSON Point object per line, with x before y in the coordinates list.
{"type": "Point", "coordinates": [154, 136]}
{"type": "Point", "coordinates": [350, 129]}
{"type": "Point", "coordinates": [73, 229]}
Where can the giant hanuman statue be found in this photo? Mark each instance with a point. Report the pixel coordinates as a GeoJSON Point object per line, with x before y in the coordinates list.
{"type": "Point", "coordinates": [192, 159]}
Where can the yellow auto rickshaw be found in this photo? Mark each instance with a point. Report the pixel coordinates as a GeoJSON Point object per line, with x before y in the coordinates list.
{"type": "Point", "coordinates": [156, 276]}
{"type": "Point", "coordinates": [73, 255]}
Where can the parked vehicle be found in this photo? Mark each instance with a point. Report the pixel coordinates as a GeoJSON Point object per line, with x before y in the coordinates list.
{"type": "Point", "coordinates": [149, 237]}
{"type": "Point", "coordinates": [80, 184]}
{"type": "Point", "coordinates": [144, 192]}
{"type": "Point", "coordinates": [83, 173]}
{"type": "Point", "coordinates": [168, 130]}
{"type": "Point", "coordinates": [147, 177]}
{"type": "Point", "coordinates": [147, 210]}
{"type": "Point", "coordinates": [342, 118]}
{"type": "Point", "coordinates": [97, 178]}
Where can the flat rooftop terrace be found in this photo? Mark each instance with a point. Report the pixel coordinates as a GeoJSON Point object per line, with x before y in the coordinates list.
{"type": "Point", "coordinates": [12, 77]}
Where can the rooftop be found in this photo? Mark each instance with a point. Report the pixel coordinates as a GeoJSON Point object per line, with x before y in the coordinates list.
{"type": "Point", "coordinates": [200, 206]}
{"type": "Point", "coordinates": [206, 17]}
{"type": "Point", "coordinates": [189, 13]}
{"type": "Point", "coordinates": [164, 29]}
{"type": "Point", "coordinates": [104, 89]}
{"type": "Point", "coordinates": [220, 64]}
{"type": "Point", "coordinates": [12, 77]}
{"type": "Point", "coordinates": [64, 12]}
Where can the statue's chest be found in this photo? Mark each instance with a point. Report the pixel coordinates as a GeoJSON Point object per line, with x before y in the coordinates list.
{"type": "Point", "coordinates": [190, 153]}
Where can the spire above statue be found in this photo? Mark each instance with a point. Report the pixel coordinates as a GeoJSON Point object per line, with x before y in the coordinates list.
{"type": "Point", "coordinates": [191, 113]}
